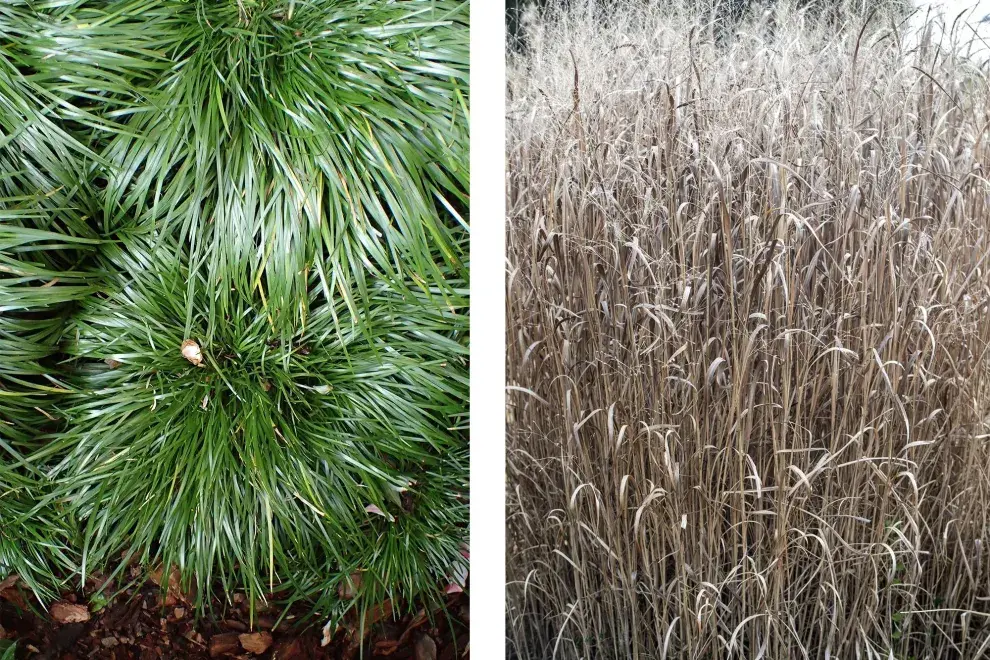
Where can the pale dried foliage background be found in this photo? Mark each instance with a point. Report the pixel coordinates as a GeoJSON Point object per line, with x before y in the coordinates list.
{"type": "Point", "coordinates": [748, 296]}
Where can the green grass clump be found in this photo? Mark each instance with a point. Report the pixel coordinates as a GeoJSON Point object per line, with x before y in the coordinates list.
{"type": "Point", "coordinates": [279, 139]}
{"type": "Point", "coordinates": [259, 463]}
{"type": "Point", "coordinates": [282, 183]}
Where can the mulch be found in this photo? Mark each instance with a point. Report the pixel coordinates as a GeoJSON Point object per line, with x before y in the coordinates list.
{"type": "Point", "coordinates": [148, 622]}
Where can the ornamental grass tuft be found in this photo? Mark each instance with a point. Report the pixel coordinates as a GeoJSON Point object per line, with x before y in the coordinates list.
{"type": "Point", "coordinates": [259, 464]}
{"type": "Point", "coordinates": [256, 372]}
{"type": "Point", "coordinates": [279, 140]}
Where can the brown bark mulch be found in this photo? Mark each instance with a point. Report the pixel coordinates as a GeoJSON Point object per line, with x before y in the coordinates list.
{"type": "Point", "coordinates": [147, 622]}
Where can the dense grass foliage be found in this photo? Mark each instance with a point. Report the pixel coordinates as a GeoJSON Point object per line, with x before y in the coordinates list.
{"type": "Point", "coordinates": [282, 183]}
{"type": "Point", "coordinates": [42, 243]}
{"type": "Point", "coordinates": [747, 344]}
{"type": "Point", "coordinates": [279, 139]}
{"type": "Point", "coordinates": [262, 460]}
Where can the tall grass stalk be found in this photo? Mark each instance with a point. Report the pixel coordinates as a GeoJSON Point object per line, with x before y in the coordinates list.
{"type": "Point", "coordinates": [747, 295]}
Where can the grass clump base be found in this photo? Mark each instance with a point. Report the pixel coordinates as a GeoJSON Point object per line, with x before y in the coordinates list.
{"type": "Point", "coordinates": [747, 356]}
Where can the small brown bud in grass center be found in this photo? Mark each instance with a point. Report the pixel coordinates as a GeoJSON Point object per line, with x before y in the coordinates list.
{"type": "Point", "coordinates": [191, 351]}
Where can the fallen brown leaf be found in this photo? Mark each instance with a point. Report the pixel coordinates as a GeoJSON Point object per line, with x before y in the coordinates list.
{"type": "Point", "coordinates": [173, 587]}
{"type": "Point", "coordinates": [194, 637]}
{"type": "Point", "coordinates": [349, 588]}
{"type": "Point", "coordinates": [386, 647]}
{"type": "Point", "coordinates": [426, 648]}
{"type": "Point", "coordinates": [66, 612]}
{"type": "Point", "coordinates": [358, 628]}
{"type": "Point", "coordinates": [416, 622]}
{"type": "Point", "coordinates": [192, 352]}
{"type": "Point", "coordinates": [11, 592]}
{"type": "Point", "coordinates": [377, 613]}
{"type": "Point", "coordinates": [234, 624]}
{"type": "Point", "coordinates": [224, 644]}
{"type": "Point", "coordinates": [257, 642]}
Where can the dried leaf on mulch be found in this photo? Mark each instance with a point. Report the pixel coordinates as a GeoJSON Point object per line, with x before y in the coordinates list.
{"type": "Point", "coordinates": [348, 589]}
{"type": "Point", "coordinates": [65, 612]}
{"type": "Point", "coordinates": [173, 587]}
{"type": "Point", "coordinates": [257, 642]}
{"type": "Point", "coordinates": [224, 644]}
{"type": "Point", "coordinates": [426, 648]}
{"type": "Point", "coordinates": [11, 592]}
{"type": "Point", "coordinates": [378, 613]}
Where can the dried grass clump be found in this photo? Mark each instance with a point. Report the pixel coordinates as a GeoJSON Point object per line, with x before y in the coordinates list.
{"type": "Point", "coordinates": [747, 346]}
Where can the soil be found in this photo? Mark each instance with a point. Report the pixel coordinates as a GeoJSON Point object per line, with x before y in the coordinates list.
{"type": "Point", "coordinates": [148, 622]}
